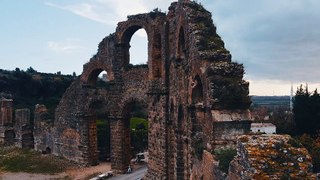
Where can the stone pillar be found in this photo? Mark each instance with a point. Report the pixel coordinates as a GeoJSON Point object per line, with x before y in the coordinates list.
{"type": "Point", "coordinates": [157, 133]}
{"type": "Point", "coordinates": [6, 130]}
{"type": "Point", "coordinates": [120, 145]}
{"type": "Point", "coordinates": [92, 137]}
{"type": "Point", "coordinates": [6, 112]}
{"type": "Point", "coordinates": [23, 129]}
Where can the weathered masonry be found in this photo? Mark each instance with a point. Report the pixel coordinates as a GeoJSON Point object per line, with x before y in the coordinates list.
{"type": "Point", "coordinates": [195, 95]}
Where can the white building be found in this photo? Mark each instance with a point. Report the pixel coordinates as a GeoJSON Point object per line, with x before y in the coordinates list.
{"type": "Point", "coordinates": [267, 128]}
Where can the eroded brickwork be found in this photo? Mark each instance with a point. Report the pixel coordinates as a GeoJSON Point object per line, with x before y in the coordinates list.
{"type": "Point", "coordinates": [23, 129]}
{"type": "Point", "coordinates": [188, 86]}
{"type": "Point", "coordinates": [270, 157]}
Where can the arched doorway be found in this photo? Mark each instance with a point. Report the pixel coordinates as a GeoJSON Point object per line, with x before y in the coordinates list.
{"type": "Point", "coordinates": [98, 124]}
{"type": "Point", "coordinates": [135, 133]}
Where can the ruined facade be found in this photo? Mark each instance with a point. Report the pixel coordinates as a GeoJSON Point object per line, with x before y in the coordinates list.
{"type": "Point", "coordinates": [15, 127]}
{"type": "Point", "coordinates": [195, 95]}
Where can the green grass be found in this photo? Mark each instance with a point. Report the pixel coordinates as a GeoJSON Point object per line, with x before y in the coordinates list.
{"type": "Point", "coordinates": [135, 121]}
{"type": "Point", "coordinates": [21, 160]}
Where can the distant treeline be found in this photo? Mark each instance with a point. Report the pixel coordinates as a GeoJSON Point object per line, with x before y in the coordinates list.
{"type": "Point", "coordinates": [270, 101]}
{"type": "Point", "coordinates": [28, 88]}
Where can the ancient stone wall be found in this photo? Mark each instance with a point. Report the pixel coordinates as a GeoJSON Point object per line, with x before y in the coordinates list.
{"type": "Point", "coordinates": [23, 129]}
{"type": "Point", "coordinates": [270, 157]}
{"type": "Point", "coordinates": [188, 85]}
{"type": "Point", "coordinates": [7, 133]}
{"type": "Point", "coordinates": [42, 130]}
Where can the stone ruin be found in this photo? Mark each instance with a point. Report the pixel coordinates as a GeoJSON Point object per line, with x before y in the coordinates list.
{"type": "Point", "coordinates": [15, 130]}
{"type": "Point", "coordinates": [195, 96]}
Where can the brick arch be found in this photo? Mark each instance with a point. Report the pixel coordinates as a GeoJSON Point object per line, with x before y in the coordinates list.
{"type": "Point", "coordinates": [129, 100]}
{"type": "Point", "coordinates": [92, 70]}
{"type": "Point", "coordinates": [126, 30]}
{"type": "Point", "coordinates": [182, 41]}
{"type": "Point", "coordinates": [197, 90]}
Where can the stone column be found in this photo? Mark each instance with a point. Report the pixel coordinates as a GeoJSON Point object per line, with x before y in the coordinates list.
{"type": "Point", "coordinates": [120, 145]}
{"type": "Point", "coordinates": [6, 112]}
{"type": "Point", "coordinates": [23, 129]}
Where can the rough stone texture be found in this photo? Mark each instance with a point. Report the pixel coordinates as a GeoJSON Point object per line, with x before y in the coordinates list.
{"type": "Point", "coordinates": [6, 112]}
{"type": "Point", "coordinates": [270, 157]}
{"type": "Point", "coordinates": [207, 169]}
{"type": "Point", "coordinates": [7, 134]}
{"type": "Point", "coordinates": [23, 129]}
{"type": "Point", "coordinates": [42, 130]}
{"type": "Point", "coordinates": [188, 85]}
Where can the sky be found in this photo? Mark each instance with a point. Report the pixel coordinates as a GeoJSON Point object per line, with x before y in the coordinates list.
{"type": "Point", "coordinates": [278, 42]}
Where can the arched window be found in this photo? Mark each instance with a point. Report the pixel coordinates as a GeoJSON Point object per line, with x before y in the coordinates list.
{"type": "Point", "coordinates": [139, 48]}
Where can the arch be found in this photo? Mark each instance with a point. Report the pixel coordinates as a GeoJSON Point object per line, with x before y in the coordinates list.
{"type": "Point", "coordinates": [126, 30]}
{"type": "Point", "coordinates": [181, 49]}
{"type": "Point", "coordinates": [127, 143]}
{"type": "Point", "coordinates": [92, 69]}
{"type": "Point", "coordinates": [197, 91]}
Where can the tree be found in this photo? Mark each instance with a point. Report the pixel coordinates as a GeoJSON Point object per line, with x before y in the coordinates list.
{"type": "Point", "coordinates": [306, 109]}
{"type": "Point", "coordinates": [31, 70]}
{"type": "Point", "coordinates": [283, 120]}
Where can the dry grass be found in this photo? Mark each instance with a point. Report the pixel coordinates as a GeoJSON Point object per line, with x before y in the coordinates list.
{"type": "Point", "coordinates": [13, 159]}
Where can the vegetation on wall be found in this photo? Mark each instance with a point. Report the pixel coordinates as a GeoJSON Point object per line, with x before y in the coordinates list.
{"type": "Point", "coordinates": [225, 156]}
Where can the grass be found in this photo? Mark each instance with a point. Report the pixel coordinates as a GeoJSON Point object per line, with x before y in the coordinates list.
{"type": "Point", "coordinates": [13, 159]}
{"type": "Point", "coordinates": [135, 121]}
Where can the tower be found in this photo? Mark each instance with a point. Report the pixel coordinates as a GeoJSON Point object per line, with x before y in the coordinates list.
{"type": "Point", "coordinates": [291, 97]}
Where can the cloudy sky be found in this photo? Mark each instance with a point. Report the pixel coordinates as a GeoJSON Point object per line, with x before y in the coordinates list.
{"type": "Point", "coordinates": [277, 41]}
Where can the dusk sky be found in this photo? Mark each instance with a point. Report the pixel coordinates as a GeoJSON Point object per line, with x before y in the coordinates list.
{"type": "Point", "coordinates": [278, 41]}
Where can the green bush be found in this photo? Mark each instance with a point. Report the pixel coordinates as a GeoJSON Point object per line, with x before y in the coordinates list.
{"type": "Point", "coordinates": [225, 156]}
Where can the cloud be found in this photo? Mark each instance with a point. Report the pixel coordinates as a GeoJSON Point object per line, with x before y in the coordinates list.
{"type": "Point", "coordinates": [108, 12]}
{"type": "Point", "coordinates": [275, 40]}
{"type": "Point", "coordinates": [90, 11]}
{"type": "Point", "coordinates": [66, 46]}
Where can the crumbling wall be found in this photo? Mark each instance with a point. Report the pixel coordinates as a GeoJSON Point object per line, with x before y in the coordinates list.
{"type": "Point", "coordinates": [42, 130]}
{"type": "Point", "coordinates": [270, 157]}
{"type": "Point", "coordinates": [193, 92]}
{"type": "Point", "coordinates": [23, 129]}
{"type": "Point", "coordinates": [7, 133]}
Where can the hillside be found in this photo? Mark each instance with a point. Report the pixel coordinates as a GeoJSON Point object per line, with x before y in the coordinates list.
{"type": "Point", "coordinates": [270, 101]}
{"type": "Point", "coordinates": [28, 88]}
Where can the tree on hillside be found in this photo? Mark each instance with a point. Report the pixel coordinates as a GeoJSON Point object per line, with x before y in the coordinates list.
{"type": "Point", "coordinates": [306, 109]}
{"type": "Point", "coordinates": [31, 70]}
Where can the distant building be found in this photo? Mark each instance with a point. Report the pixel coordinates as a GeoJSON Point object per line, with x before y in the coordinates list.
{"type": "Point", "coordinates": [291, 98]}
{"type": "Point", "coordinates": [267, 128]}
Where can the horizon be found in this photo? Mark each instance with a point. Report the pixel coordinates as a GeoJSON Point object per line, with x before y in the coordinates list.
{"type": "Point", "coordinates": [278, 43]}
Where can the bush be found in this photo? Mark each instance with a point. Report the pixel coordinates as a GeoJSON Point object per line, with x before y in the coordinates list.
{"type": "Point", "coordinates": [225, 156]}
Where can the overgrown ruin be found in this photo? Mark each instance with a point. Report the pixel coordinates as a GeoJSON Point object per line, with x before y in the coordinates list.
{"type": "Point", "coordinates": [195, 96]}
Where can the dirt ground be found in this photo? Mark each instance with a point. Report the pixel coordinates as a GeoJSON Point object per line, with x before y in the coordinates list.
{"type": "Point", "coordinates": [76, 173]}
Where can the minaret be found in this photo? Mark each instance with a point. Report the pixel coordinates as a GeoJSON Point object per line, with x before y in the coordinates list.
{"type": "Point", "coordinates": [291, 97]}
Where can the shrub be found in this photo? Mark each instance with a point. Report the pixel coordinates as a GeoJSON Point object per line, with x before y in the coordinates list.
{"type": "Point", "coordinates": [225, 156]}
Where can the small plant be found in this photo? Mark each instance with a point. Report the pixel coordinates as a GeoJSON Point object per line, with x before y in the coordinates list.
{"type": "Point", "coordinates": [225, 156]}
